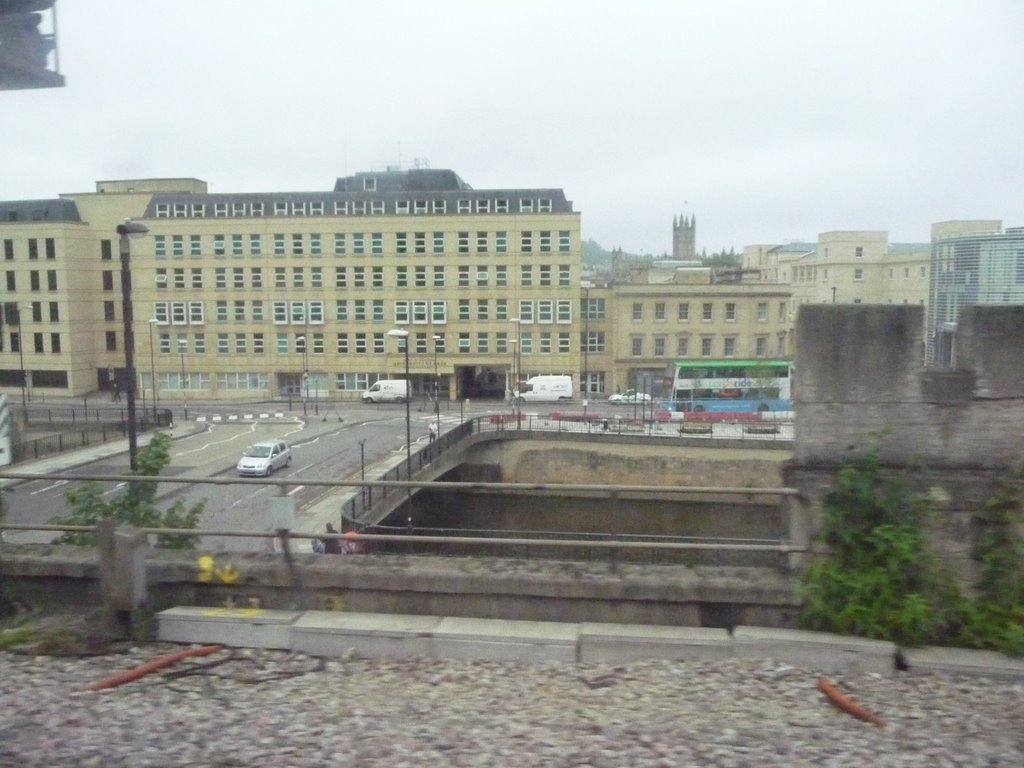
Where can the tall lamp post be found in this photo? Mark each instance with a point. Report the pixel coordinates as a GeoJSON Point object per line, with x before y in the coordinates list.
{"type": "Point", "coordinates": [184, 388]}
{"type": "Point", "coordinates": [586, 346]}
{"type": "Point", "coordinates": [514, 383]}
{"type": "Point", "coordinates": [305, 373]}
{"type": "Point", "coordinates": [152, 369]}
{"type": "Point", "coordinates": [125, 230]}
{"type": "Point", "coordinates": [517, 361]}
{"type": "Point", "coordinates": [403, 335]}
{"type": "Point", "coordinates": [21, 352]}
{"type": "Point", "coordinates": [437, 385]}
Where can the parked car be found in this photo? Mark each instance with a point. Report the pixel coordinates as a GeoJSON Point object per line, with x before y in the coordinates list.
{"type": "Point", "coordinates": [262, 459]}
{"type": "Point", "coordinates": [628, 397]}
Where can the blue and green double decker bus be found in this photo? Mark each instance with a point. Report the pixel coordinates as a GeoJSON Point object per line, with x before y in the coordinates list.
{"type": "Point", "coordinates": [731, 386]}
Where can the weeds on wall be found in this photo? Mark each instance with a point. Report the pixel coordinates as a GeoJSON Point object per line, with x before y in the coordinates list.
{"type": "Point", "coordinates": [995, 618]}
{"type": "Point", "coordinates": [881, 581]}
{"type": "Point", "coordinates": [134, 506]}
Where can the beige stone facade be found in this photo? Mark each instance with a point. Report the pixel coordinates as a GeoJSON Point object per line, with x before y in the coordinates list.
{"type": "Point", "coordinates": [643, 320]}
{"type": "Point", "coordinates": [845, 267]}
{"type": "Point", "coordinates": [271, 295]}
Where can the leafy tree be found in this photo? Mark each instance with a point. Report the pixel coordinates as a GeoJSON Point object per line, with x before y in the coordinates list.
{"type": "Point", "coordinates": [135, 506]}
{"type": "Point", "coordinates": [723, 259]}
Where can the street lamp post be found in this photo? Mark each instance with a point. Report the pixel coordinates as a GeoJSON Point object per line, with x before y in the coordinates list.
{"type": "Point", "coordinates": [514, 383]}
{"type": "Point", "coordinates": [401, 333]}
{"type": "Point", "coordinates": [152, 370]}
{"type": "Point", "coordinates": [305, 374]}
{"type": "Point", "coordinates": [362, 470]}
{"type": "Point", "coordinates": [517, 361]}
{"type": "Point", "coordinates": [21, 354]}
{"type": "Point", "coordinates": [124, 230]}
{"type": "Point", "coordinates": [184, 388]}
{"type": "Point", "coordinates": [586, 346]}
{"type": "Point", "coordinates": [437, 385]}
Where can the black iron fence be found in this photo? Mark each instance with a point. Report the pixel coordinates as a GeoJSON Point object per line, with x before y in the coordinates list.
{"type": "Point", "coordinates": [80, 429]}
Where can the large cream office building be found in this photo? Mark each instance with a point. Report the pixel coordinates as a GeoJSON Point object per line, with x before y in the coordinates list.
{"type": "Point", "coordinates": [292, 294]}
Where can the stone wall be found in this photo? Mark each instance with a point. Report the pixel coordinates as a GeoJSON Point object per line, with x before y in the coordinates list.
{"type": "Point", "coordinates": [860, 384]}
{"type": "Point", "coordinates": [951, 435]}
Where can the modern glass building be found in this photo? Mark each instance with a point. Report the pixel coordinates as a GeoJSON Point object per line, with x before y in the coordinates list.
{"type": "Point", "coordinates": [973, 262]}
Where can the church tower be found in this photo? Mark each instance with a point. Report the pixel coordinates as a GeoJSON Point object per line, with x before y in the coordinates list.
{"type": "Point", "coordinates": [684, 238]}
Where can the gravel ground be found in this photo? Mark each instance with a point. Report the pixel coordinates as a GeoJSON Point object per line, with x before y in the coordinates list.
{"type": "Point", "coordinates": [269, 708]}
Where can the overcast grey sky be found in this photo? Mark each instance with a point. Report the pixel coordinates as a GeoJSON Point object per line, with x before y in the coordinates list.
{"type": "Point", "coordinates": [770, 121]}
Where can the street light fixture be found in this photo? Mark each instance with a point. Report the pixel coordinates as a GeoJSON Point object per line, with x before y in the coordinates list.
{"type": "Point", "coordinates": [184, 388]}
{"type": "Point", "coordinates": [403, 335]}
{"type": "Point", "coordinates": [124, 231]}
{"type": "Point", "coordinates": [152, 369]}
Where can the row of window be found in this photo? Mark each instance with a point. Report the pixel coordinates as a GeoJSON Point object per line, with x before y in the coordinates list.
{"type": "Point", "coordinates": [38, 342]}
{"type": "Point", "coordinates": [710, 346]}
{"type": "Point", "coordinates": [479, 342]}
{"type": "Point", "coordinates": [401, 207]}
{"type": "Point", "coordinates": [730, 310]}
{"type": "Point", "coordinates": [11, 314]}
{"type": "Point", "coordinates": [542, 311]}
{"type": "Point", "coordinates": [810, 273]}
{"type": "Point", "coordinates": [358, 243]}
{"type": "Point", "coordinates": [541, 275]}
{"type": "Point", "coordinates": [49, 248]}
{"type": "Point", "coordinates": [34, 280]}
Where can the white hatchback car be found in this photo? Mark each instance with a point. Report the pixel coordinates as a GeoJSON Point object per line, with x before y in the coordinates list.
{"type": "Point", "coordinates": [263, 458]}
{"type": "Point", "coordinates": [628, 398]}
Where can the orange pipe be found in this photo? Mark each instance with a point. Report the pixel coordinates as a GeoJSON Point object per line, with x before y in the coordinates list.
{"type": "Point", "coordinates": [848, 705]}
{"type": "Point", "coordinates": [151, 666]}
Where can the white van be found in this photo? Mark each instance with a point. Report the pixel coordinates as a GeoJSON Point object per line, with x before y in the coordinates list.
{"type": "Point", "coordinates": [546, 389]}
{"type": "Point", "coordinates": [387, 391]}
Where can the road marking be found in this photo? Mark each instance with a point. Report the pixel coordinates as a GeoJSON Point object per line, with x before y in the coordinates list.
{"type": "Point", "coordinates": [115, 489]}
{"type": "Point", "coordinates": [56, 484]}
{"type": "Point", "coordinates": [296, 489]}
{"type": "Point", "coordinates": [252, 428]}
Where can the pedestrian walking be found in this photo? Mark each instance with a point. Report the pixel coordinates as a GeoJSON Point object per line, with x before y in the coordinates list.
{"type": "Point", "coordinates": [432, 431]}
{"type": "Point", "coordinates": [332, 546]}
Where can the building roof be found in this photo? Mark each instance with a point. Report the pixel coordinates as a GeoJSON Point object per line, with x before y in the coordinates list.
{"type": "Point", "coordinates": [412, 180]}
{"type": "Point", "coordinates": [38, 210]}
{"type": "Point", "coordinates": [394, 189]}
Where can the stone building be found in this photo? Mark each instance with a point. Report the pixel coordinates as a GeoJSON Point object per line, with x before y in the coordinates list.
{"type": "Point", "coordinates": [264, 295]}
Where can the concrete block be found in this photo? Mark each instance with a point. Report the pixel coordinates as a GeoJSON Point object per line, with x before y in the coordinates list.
{"type": "Point", "coordinates": [957, 661]}
{"type": "Point", "coordinates": [369, 635]}
{"type": "Point", "coordinates": [622, 643]}
{"type": "Point", "coordinates": [237, 627]}
{"type": "Point", "coordinates": [820, 651]}
{"type": "Point", "coordinates": [501, 639]}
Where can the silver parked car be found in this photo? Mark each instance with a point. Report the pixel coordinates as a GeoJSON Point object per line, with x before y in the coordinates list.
{"type": "Point", "coordinates": [263, 458]}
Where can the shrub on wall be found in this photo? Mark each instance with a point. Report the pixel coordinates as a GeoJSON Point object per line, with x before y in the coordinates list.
{"type": "Point", "coordinates": [879, 579]}
{"type": "Point", "coordinates": [995, 618]}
